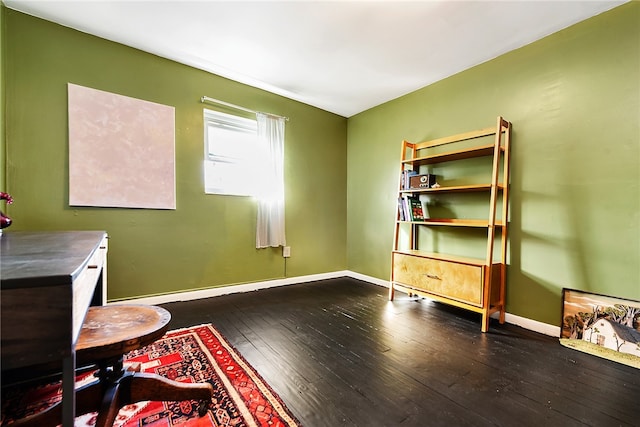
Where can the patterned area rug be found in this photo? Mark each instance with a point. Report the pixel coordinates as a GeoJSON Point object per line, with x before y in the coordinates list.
{"type": "Point", "coordinates": [198, 354]}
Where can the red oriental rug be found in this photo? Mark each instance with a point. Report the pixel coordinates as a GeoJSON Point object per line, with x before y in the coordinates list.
{"type": "Point", "coordinates": [197, 354]}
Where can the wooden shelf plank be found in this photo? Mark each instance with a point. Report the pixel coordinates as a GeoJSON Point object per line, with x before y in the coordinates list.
{"type": "Point", "coordinates": [455, 222]}
{"type": "Point", "coordinates": [456, 138]}
{"type": "Point", "coordinates": [468, 153]}
{"type": "Point", "coordinates": [447, 300]}
{"type": "Point", "coordinates": [453, 189]}
{"type": "Point", "coordinates": [443, 257]}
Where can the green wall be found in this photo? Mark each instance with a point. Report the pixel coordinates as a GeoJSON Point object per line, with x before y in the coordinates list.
{"type": "Point", "coordinates": [574, 101]}
{"type": "Point", "coordinates": [209, 240]}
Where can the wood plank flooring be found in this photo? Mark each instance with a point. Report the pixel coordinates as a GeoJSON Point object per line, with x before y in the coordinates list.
{"type": "Point", "coordinates": [340, 354]}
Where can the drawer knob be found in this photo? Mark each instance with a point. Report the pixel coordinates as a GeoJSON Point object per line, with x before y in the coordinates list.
{"type": "Point", "coordinates": [432, 276]}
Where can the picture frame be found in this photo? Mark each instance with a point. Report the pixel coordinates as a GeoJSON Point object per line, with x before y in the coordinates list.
{"type": "Point", "coordinates": [602, 325]}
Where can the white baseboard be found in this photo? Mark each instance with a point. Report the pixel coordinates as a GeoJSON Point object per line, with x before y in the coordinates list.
{"type": "Point", "coordinates": [533, 325]}
{"type": "Point", "coordinates": [365, 278]}
{"type": "Point", "coordinates": [513, 319]}
{"type": "Point", "coordinates": [229, 289]}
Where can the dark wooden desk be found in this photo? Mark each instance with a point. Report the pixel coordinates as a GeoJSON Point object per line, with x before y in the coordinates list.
{"type": "Point", "coordinates": [47, 282]}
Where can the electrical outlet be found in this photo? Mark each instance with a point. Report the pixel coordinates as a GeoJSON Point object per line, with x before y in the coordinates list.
{"type": "Point", "coordinates": [286, 251]}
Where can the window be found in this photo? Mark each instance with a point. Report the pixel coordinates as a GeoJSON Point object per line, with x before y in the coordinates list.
{"type": "Point", "coordinates": [231, 151]}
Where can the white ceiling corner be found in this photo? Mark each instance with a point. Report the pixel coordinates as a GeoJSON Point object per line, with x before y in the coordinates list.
{"type": "Point", "coordinates": [341, 56]}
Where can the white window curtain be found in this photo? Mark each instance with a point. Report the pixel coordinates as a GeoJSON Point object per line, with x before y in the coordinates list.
{"type": "Point", "coordinates": [270, 228]}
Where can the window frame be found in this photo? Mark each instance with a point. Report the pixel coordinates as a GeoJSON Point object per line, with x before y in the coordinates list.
{"type": "Point", "coordinates": [217, 167]}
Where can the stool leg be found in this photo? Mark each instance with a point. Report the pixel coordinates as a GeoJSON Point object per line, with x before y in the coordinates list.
{"type": "Point", "coordinates": [155, 387]}
{"type": "Point", "coordinates": [136, 387]}
{"type": "Point", "coordinates": [112, 401]}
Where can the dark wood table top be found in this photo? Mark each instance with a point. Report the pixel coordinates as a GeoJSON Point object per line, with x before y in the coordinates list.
{"type": "Point", "coordinates": [44, 258]}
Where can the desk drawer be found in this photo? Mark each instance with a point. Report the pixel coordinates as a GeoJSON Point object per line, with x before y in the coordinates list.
{"type": "Point", "coordinates": [85, 285]}
{"type": "Point", "coordinates": [449, 279]}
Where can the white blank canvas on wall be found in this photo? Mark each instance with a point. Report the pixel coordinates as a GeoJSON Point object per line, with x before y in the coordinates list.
{"type": "Point", "coordinates": [121, 151]}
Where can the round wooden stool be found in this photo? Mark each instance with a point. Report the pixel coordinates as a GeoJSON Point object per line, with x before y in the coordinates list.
{"type": "Point", "coordinates": [108, 333]}
{"type": "Point", "coordinates": [113, 330]}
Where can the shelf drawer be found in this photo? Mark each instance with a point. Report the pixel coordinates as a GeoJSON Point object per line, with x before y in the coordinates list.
{"type": "Point", "coordinates": [449, 279]}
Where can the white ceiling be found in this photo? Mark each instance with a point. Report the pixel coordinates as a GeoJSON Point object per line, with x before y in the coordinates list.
{"type": "Point", "coordinates": [341, 56]}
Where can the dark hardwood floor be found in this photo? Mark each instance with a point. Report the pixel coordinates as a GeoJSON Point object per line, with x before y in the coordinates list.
{"type": "Point", "coordinates": [340, 354]}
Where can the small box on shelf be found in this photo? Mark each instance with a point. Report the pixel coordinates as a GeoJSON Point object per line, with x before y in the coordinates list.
{"type": "Point", "coordinates": [412, 180]}
{"type": "Point", "coordinates": [425, 180]}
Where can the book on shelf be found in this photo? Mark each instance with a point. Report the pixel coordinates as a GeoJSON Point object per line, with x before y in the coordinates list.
{"type": "Point", "coordinates": [401, 210]}
{"type": "Point", "coordinates": [410, 209]}
{"type": "Point", "coordinates": [416, 212]}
